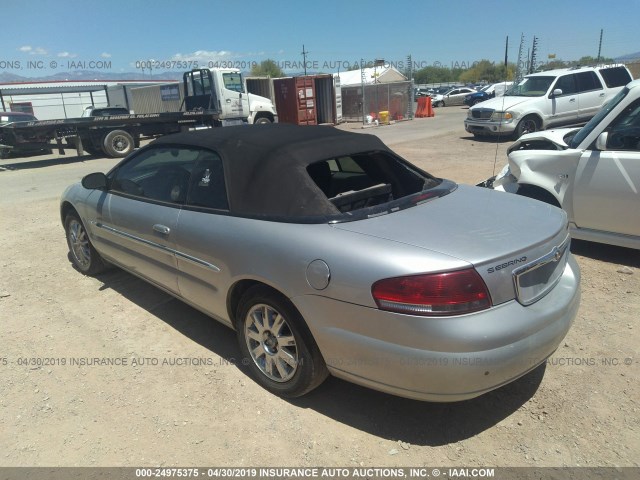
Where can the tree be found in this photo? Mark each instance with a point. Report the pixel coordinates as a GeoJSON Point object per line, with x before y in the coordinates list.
{"type": "Point", "coordinates": [267, 68]}
{"type": "Point", "coordinates": [584, 61]}
{"type": "Point", "coordinates": [434, 75]}
{"type": "Point", "coordinates": [488, 71]}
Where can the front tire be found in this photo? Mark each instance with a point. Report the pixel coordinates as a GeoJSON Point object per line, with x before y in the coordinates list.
{"type": "Point", "coordinates": [262, 121]}
{"type": "Point", "coordinates": [539, 194]}
{"type": "Point", "coordinates": [84, 257]}
{"type": "Point", "coordinates": [277, 345]}
{"type": "Point", "coordinates": [528, 124]}
{"type": "Point", "coordinates": [439, 104]}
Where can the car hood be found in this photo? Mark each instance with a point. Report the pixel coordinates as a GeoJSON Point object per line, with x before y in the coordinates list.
{"type": "Point", "coordinates": [555, 137]}
{"type": "Point", "coordinates": [257, 102]}
{"type": "Point", "coordinates": [480, 226]}
{"type": "Point", "coordinates": [503, 103]}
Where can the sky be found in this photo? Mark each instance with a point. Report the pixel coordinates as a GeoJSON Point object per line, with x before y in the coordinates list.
{"type": "Point", "coordinates": [44, 37]}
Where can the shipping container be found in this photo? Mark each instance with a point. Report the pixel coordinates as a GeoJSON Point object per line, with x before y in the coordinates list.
{"type": "Point", "coordinates": [338, 97]}
{"type": "Point", "coordinates": [262, 86]}
{"type": "Point", "coordinates": [306, 100]}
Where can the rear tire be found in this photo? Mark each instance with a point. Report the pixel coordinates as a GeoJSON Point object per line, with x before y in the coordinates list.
{"type": "Point", "coordinates": [276, 344]}
{"type": "Point", "coordinates": [118, 143]}
{"type": "Point", "coordinates": [84, 257]}
{"type": "Point", "coordinates": [91, 150]}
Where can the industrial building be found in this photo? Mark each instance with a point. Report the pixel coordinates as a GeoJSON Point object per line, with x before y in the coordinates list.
{"type": "Point", "coordinates": [65, 99]}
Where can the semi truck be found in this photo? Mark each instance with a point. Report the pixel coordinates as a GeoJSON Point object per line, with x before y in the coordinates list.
{"type": "Point", "coordinates": [212, 98]}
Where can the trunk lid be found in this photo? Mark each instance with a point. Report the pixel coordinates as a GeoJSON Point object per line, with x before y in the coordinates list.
{"type": "Point", "coordinates": [494, 231]}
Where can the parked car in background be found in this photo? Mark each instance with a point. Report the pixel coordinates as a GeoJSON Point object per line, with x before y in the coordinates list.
{"type": "Point", "coordinates": [421, 92]}
{"type": "Point", "coordinates": [592, 173]}
{"type": "Point", "coordinates": [104, 111]}
{"type": "Point", "coordinates": [487, 92]}
{"type": "Point", "coordinates": [568, 96]}
{"type": "Point", "coordinates": [328, 253]}
{"type": "Point", "coordinates": [454, 96]}
{"type": "Point", "coordinates": [440, 90]}
{"type": "Point", "coordinates": [10, 117]}
{"type": "Point", "coordinates": [38, 145]}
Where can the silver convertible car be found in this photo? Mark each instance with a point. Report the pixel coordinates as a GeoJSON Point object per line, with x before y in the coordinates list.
{"type": "Point", "coordinates": [329, 254]}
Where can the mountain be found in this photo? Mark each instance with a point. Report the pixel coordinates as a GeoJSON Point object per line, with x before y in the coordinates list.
{"type": "Point", "coordinates": [86, 75]}
{"type": "Point", "coordinates": [629, 57]}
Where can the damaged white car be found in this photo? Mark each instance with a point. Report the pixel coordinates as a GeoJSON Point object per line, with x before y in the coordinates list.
{"type": "Point", "coordinates": [593, 173]}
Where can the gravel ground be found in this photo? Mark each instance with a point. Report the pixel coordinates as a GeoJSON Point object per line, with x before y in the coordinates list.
{"type": "Point", "coordinates": [177, 397]}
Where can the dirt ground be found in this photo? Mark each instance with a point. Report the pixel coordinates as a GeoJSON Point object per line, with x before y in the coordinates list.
{"type": "Point", "coordinates": [176, 396]}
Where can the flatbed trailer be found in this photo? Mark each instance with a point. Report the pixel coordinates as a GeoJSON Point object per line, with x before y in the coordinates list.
{"type": "Point", "coordinates": [114, 136]}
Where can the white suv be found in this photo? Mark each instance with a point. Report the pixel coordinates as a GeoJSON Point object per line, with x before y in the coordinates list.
{"type": "Point", "coordinates": [568, 96]}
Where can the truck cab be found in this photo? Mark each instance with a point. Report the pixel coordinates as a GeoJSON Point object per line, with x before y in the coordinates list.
{"type": "Point", "coordinates": [223, 91]}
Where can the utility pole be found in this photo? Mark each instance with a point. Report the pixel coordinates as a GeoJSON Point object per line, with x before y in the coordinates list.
{"type": "Point", "coordinates": [599, 47]}
{"type": "Point", "coordinates": [409, 112]}
{"type": "Point", "coordinates": [363, 83]}
{"type": "Point", "coordinates": [506, 50]}
{"type": "Point", "coordinates": [304, 58]}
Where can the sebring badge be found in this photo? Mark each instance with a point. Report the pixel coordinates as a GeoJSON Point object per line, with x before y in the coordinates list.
{"type": "Point", "coordinates": [515, 261]}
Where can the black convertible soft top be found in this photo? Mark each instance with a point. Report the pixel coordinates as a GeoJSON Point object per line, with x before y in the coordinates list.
{"type": "Point", "coordinates": [266, 165]}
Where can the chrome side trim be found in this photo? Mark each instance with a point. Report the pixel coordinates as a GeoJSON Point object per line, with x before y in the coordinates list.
{"type": "Point", "coordinates": [196, 260]}
{"type": "Point", "coordinates": [555, 255]}
{"type": "Point", "coordinates": [158, 246]}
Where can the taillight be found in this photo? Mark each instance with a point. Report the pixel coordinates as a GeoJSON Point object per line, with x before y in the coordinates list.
{"type": "Point", "coordinates": [435, 294]}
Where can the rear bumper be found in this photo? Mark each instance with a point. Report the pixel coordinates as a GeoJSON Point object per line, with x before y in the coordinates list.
{"type": "Point", "coordinates": [441, 359]}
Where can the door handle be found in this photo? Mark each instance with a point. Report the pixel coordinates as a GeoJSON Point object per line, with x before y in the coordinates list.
{"type": "Point", "coordinates": [228, 100]}
{"type": "Point", "coordinates": [164, 230]}
{"type": "Point", "coordinates": [572, 100]}
{"type": "Point", "coordinates": [602, 94]}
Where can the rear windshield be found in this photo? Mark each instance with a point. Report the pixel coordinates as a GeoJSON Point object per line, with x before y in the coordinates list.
{"type": "Point", "coordinates": [366, 181]}
{"type": "Point", "coordinates": [616, 76]}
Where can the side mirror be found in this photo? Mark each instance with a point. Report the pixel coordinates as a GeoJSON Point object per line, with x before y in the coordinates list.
{"type": "Point", "coordinates": [557, 92]}
{"type": "Point", "coordinates": [601, 141]}
{"type": "Point", "coordinates": [95, 181]}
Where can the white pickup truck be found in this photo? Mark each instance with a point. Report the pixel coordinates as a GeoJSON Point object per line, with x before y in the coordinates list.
{"type": "Point", "coordinates": [593, 173]}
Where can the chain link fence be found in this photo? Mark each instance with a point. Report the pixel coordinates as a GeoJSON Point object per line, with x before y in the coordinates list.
{"type": "Point", "coordinates": [394, 98]}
